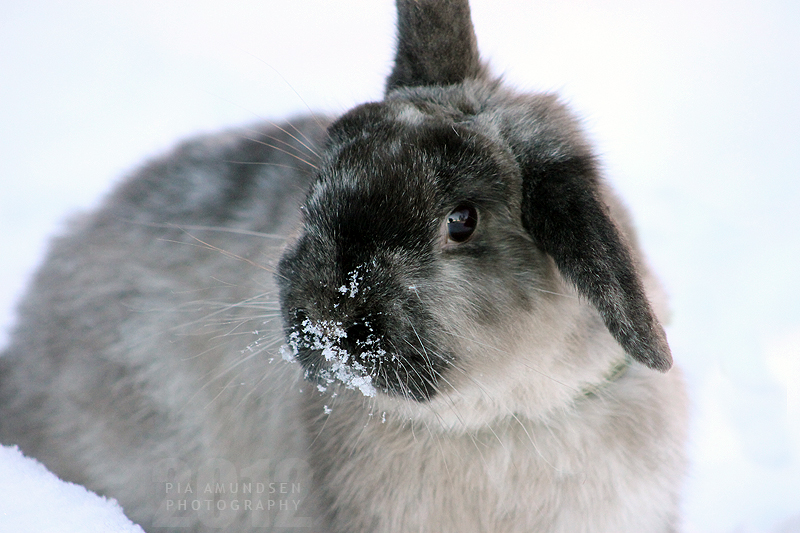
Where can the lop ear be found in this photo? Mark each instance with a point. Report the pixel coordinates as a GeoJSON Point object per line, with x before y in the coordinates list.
{"type": "Point", "coordinates": [436, 44]}
{"type": "Point", "coordinates": [563, 210]}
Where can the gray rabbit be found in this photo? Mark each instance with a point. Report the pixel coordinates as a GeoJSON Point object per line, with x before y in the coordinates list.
{"type": "Point", "coordinates": [430, 314]}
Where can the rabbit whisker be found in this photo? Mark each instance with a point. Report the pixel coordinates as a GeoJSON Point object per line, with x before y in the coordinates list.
{"type": "Point", "coordinates": [279, 149]}
{"type": "Point", "coordinates": [269, 163]}
{"type": "Point", "coordinates": [276, 71]}
{"type": "Point", "coordinates": [285, 143]}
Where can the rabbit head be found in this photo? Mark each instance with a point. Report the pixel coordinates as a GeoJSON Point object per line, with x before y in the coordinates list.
{"type": "Point", "coordinates": [459, 238]}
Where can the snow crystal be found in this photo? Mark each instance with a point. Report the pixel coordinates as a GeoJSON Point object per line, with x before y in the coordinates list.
{"type": "Point", "coordinates": [351, 290]}
{"type": "Point", "coordinates": [324, 335]}
{"type": "Point", "coordinates": [289, 352]}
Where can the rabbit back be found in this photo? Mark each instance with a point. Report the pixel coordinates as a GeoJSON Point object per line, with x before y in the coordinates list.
{"type": "Point", "coordinates": [155, 314]}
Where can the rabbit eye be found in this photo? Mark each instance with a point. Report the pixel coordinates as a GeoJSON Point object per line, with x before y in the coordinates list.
{"type": "Point", "coordinates": [461, 223]}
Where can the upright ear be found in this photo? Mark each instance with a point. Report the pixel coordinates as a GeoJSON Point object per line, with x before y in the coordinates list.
{"type": "Point", "coordinates": [436, 44]}
{"type": "Point", "coordinates": [563, 210]}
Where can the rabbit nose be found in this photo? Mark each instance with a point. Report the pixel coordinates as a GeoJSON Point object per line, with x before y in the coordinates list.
{"type": "Point", "coordinates": [358, 332]}
{"type": "Point", "coordinates": [357, 336]}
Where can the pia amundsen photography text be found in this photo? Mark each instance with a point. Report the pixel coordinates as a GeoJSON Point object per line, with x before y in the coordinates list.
{"type": "Point", "coordinates": [217, 493]}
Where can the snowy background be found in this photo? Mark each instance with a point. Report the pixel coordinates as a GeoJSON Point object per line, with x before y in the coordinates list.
{"type": "Point", "coordinates": [694, 105]}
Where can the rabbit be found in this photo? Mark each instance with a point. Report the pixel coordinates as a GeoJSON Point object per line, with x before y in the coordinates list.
{"type": "Point", "coordinates": [429, 314]}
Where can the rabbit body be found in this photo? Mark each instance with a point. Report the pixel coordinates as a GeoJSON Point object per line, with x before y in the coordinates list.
{"type": "Point", "coordinates": [428, 315]}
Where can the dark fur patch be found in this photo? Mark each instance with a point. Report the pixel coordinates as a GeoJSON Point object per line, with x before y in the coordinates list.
{"type": "Point", "coordinates": [564, 213]}
{"type": "Point", "coordinates": [436, 45]}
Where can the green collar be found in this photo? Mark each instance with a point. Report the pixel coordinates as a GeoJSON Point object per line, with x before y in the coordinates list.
{"type": "Point", "coordinates": [616, 371]}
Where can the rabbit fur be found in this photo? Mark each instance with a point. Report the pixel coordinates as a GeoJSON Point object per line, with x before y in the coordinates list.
{"type": "Point", "coordinates": [430, 314]}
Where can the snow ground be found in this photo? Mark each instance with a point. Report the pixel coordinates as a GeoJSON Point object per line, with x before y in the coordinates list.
{"type": "Point", "coordinates": [693, 105]}
{"type": "Point", "coordinates": [33, 500]}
